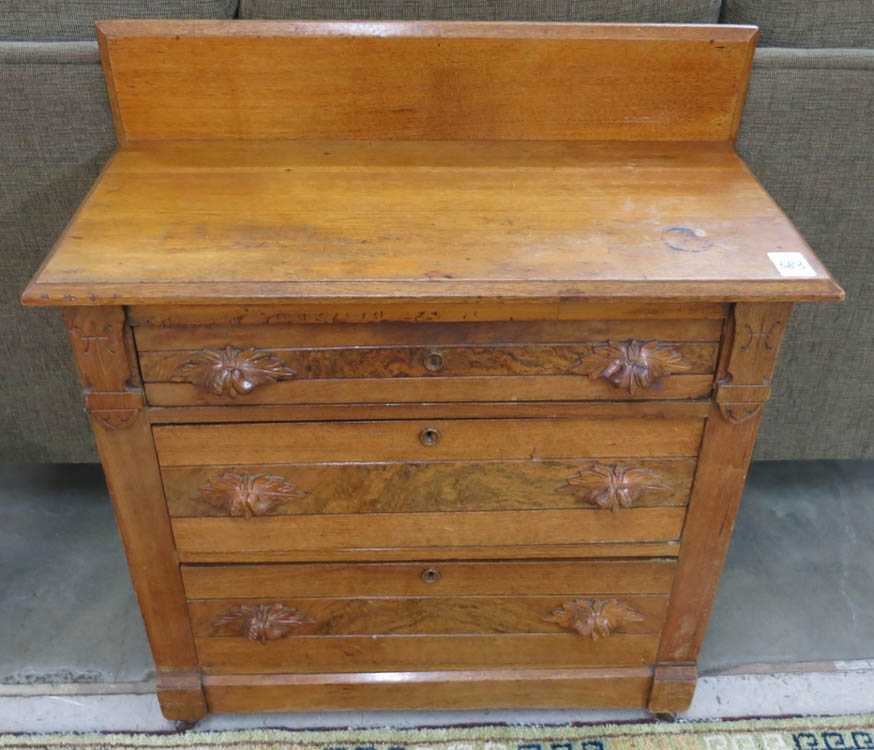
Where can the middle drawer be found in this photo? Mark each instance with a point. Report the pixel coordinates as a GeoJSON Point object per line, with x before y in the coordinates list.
{"type": "Point", "coordinates": [471, 487]}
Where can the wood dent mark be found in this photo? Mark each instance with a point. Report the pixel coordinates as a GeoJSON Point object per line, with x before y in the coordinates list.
{"type": "Point", "coordinates": [685, 239]}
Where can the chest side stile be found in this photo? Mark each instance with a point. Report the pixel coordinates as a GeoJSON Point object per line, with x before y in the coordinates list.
{"type": "Point", "coordinates": [743, 384]}
{"type": "Point", "coordinates": [104, 354]}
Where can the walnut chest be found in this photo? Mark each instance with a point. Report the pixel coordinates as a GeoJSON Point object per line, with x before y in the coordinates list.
{"type": "Point", "coordinates": [425, 361]}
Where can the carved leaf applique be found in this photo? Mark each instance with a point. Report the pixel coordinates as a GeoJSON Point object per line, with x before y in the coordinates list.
{"type": "Point", "coordinates": [594, 618]}
{"type": "Point", "coordinates": [633, 365]}
{"type": "Point", "coordinates": [248, 495]}
{"type": "Point", "coordinates": [232, 372]}
{"type": "Point", "coordinates": [261, 622]}
{"type": "Point", "coordinates": [614, 486]}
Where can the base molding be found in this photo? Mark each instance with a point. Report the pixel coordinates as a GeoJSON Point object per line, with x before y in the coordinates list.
{"type": "Point", "coordinates": [517, 688]}
{"type": "Point", "coordinates": [180, 695]}
{"type": "Point", "coordinates": [673, 686]}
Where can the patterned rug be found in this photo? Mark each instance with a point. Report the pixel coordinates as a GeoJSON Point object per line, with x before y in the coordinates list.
{"type": "Point", "coordinates": [834, 733]}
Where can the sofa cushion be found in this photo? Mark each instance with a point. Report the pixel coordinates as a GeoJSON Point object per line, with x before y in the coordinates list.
{"type": "Point", "coordinates": [640, 11]}
{"type": "Point", "coordinates": [33, 20]}
{"type": "Point", "coordinates": [55, 134]}
{"type": "Point", "coordinates": [806, 133]}
{"type": "Point", "coordinates": [806, 23]}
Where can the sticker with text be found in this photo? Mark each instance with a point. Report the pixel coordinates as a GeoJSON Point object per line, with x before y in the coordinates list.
{"type": "Point", "coordinates": [794, 265]}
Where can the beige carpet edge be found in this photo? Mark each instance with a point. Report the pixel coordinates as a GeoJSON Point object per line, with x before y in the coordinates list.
{"type": "Point", "coordinates": [481, 735]}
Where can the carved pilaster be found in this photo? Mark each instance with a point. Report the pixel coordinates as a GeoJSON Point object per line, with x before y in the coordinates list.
{"type": "Point", "coordinates": [750, 347]}
{"type": "Point", "coordinates": [113, 397]}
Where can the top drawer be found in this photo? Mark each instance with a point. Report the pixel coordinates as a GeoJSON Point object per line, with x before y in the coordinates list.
{"type": "Point", "coordinates": [403, 361]}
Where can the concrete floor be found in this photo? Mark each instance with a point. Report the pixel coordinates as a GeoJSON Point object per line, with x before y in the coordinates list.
{"type": "Point", "coordinates": [797, 588]}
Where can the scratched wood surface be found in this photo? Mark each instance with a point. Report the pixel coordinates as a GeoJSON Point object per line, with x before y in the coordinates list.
{"type": "Point", "coordinates": [419, 312]}
{"type": "Point", "coordinates": [241, 222]}
{"type": "Point", "coordinates": [208, 333]}
{"type": "Point", "coordinates": [402, 440]}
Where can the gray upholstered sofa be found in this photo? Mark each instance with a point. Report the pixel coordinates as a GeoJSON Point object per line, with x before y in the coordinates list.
{"type": "Point", "coordinates": [808, 133]}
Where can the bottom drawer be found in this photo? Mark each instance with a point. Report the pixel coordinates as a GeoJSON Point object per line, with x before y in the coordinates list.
{"type": "Point", "coordinates": [385, 617]}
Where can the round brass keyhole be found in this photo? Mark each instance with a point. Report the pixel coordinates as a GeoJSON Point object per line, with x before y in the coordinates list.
{"type": "Point", "coordinates": [430, 575]}
{"type": "Point", "coordinates": [429, 436]}
{"type": "Point", "coordinates": [434, 361]}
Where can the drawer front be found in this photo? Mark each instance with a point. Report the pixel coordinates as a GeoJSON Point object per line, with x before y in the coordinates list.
{"type": "Point", "coordinates": [392, 362]}
{"type": "Point", "coordinates": [422, 487]}
{"type": "Point", "coordinates": [428, 615]}
{"type": "Point", "coordinates": [421, 440]}
{"type": "Point", "coordinates": [388, 487]}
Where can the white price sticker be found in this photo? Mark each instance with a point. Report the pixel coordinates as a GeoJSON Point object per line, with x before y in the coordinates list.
{"type": "Point", "coordinates": [793, 265]}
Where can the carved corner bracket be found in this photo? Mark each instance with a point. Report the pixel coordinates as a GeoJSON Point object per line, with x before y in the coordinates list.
{"type": "Point", "coordinates": [740, 403]}
{"type": "Point", "coordinates": [744, 380]}
{"type": "Point", "coordinates": [114, 411]}
{"type": "Point", "coordinates": [103, 357]}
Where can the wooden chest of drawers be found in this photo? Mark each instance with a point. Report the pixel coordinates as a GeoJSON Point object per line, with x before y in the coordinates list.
{"type": "Point", "coordinates": [457, 417]}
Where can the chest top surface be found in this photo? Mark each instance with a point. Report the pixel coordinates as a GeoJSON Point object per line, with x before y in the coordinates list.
{"type": "Point", "coordinates": [262, 162]}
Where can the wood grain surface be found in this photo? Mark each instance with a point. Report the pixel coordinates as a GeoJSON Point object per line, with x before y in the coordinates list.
{"type": "Point", "coordinates": [467, 389]}
{"type": "Point", "coordinates": [429, 410]}
{"type": "Point", "coordinates": [423, 616]}
{"type": "Point", "coordinates": [418, 487]}
{"type": "Point", "coordinates": [400, 653]}
{"type": "Point", "coordinates": [423, 311]}
{"type": "Point", "coordinates": [425, 362]}
{"type": "Point", "coordinates": [626, 687]}
{"type": "Point", "coordinates": [459, 440]}
{"type": "Point", "coordinates": [201, 80]}
{"type": "Point", "coordinates": [293, 537]}
{"type": "Point", "coordinates": [558, 578]}
{"type": "Point", "coordinates": [235, 222]}
{"type": "Point", "coordinates": [215, 331]}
